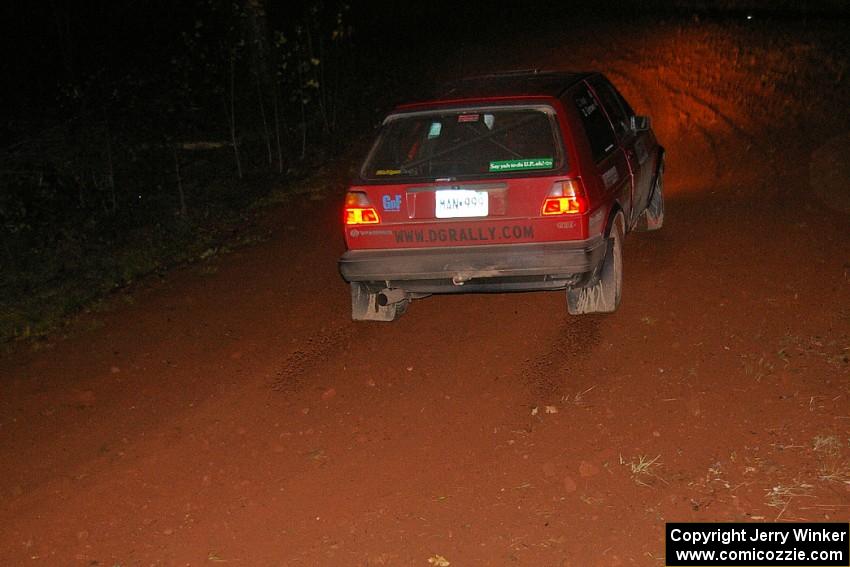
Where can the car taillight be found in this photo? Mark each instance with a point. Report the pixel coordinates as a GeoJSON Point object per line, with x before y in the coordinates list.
{"type": "Point", "coordinates": [565, 198]}
{"type": "Point", "coordinates": [359, 210]}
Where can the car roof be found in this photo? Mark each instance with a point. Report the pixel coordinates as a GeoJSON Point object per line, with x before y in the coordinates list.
{"type": "Point", "coordinates": [511, 84]}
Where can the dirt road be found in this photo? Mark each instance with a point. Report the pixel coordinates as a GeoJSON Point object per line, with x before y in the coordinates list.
{"type": "Point", "coordinates": [233, 414]}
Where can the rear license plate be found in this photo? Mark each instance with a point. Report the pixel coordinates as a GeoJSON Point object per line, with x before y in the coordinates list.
{"type": "Point", "coordinates": [461, 203]}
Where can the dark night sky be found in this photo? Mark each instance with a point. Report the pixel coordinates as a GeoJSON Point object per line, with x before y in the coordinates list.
{"type": "Point", "coordinates": [46, 43]}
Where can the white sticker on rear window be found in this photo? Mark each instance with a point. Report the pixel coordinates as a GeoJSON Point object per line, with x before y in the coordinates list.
{"type": "Point", "coordinates": [434, 131]}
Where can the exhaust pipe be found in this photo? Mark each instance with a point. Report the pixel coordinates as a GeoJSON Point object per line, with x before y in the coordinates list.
{"type": "Point", "coordinates": [390, 296]}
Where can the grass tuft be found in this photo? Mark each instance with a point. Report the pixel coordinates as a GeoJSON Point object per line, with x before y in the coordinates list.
{"type": "Point", "coordinates": [643, 469]}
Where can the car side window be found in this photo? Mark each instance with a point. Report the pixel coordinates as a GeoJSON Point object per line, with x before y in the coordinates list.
{"type": "Point", "coordinates": [596, 125]}
{"type": "Point", "coordinates": [614, 104]}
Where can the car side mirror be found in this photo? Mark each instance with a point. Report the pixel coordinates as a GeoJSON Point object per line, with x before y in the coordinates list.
{"type": "Point", "coordinates": [640, 123]}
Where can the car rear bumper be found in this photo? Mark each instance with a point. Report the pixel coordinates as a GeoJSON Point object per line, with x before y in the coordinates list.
{"type": "Point", "coordinates": [548, 265]}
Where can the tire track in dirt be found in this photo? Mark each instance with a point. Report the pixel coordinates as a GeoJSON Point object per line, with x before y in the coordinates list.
{"type": "Point", "coordinates": [724, 117]}
{"type": "Point", "coordinates": [684, 104]}
{"type": "Point", "coordinates": [545, 375]}
{"type": "Point", "coordinates": [303, 360]}
{"type": "Point", "coordinates": [712, 146]}
{"type": "Point", "coordinates": [639, 89]}
{"type": "Point", "coordinates": [633, 59]}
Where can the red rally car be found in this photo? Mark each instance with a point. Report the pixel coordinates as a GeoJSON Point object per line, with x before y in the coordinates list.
{"type": "Point", "coordinates": [508, 182]}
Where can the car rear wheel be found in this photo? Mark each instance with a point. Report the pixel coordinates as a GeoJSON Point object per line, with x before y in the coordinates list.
{"type": "Point", "coordinates": [386, 305]}
{"type": "Point", "coordinates": [604, 295]}
{"type": "Point", "coordinates": [652, 217]}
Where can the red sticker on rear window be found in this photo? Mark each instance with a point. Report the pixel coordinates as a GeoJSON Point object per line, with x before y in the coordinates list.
{"type": "Point", "coordinates": [468, 118]}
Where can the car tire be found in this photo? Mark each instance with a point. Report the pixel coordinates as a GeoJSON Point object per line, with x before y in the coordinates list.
{"type": "Point", "coordinates": [366, 307]}
{"type": "Point", "coordinates": [604, 295]}
{"type": "Point", "coordinates": [652, 217]}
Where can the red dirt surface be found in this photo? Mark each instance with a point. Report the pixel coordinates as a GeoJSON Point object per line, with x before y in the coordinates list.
{"type": "Point", "coordinates": [233, 413]}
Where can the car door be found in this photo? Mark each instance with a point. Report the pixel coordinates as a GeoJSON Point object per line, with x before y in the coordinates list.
{"type": "Point", "coordinates": [612, 164]}
{"type": "Point", "coordinates": [635, 144]}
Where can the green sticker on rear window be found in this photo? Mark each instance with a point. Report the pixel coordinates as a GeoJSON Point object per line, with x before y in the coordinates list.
{"type": "Point", "coordinates": [521, 164]}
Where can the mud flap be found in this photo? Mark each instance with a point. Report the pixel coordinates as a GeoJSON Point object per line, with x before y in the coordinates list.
{"type": "Point", "coordinates": [604, 295]}
{"type": "Point", "coordinates": [652, 217]}
{"type": "Point", "coordinates": [595, 299]}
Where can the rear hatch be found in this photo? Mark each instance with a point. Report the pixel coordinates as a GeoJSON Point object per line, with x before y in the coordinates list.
{"type": "Point", "coordinates": [463, 176]}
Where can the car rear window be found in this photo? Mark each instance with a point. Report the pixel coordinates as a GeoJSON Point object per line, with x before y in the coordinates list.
{"type": "Point", "coordinates": [468, 142]}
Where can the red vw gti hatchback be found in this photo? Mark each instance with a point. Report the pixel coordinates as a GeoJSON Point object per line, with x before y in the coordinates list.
{"type": "Point", "coordinates": [509, 182]}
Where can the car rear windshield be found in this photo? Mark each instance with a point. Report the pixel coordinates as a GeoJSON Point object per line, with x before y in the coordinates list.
{"type": "Point", "coordinates": [469, 142]}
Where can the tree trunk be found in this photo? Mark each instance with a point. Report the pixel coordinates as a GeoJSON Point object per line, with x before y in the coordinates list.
{"type": "Point", "coordinates": [277, 133]}
{"type": "Point", "coordinates": [110, 169]}
{"type": "Point", "coordinates": [266, 132]}
{"type": "Point", "coordinates": [180, 194]}
{"type": "Point", "coordinates": [232, 116]}
{"type": "Point", "coordinates": [257, 32]}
